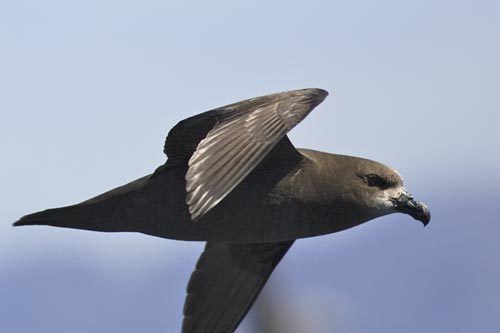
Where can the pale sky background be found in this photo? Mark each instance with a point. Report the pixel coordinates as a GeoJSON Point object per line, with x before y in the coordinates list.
{"type": "Point", "coordinates": [89, 90]}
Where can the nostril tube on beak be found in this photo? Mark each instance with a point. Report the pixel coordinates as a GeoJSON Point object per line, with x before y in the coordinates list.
{"type": "Point", "coordinates": [408, 205]}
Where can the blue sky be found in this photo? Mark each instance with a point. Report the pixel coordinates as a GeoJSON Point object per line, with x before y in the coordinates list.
{"type": "Point", "coordinates": [89, 90]}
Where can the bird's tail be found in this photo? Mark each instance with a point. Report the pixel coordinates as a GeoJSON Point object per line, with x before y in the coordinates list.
{"type": "Point", "coordinates": [80, 216]}
{"type": "Point", "coordinates": [67, 217]}
{"type": "Point", "coordinates": [39, 218]}
{"type": "Point", "coordinates": [115, 210]}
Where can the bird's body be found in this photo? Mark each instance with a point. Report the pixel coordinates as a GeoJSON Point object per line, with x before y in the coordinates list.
{"type": "Point", "coordinates": [233, 179]}
{"type": "Point", "coordinates": [288, 201]}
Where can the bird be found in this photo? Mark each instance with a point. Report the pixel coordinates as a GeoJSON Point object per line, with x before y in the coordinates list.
{"type": "Point", "coordinates": [233, 179]}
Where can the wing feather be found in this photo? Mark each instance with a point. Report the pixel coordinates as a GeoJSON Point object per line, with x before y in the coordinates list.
{"type": "Point", "coordinates": [227, 280]}
{"type": "Point", "coordinates": [243, 134]}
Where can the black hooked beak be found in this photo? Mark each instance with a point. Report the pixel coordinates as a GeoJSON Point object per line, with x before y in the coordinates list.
{"type": "Point", "coordinates": [416, 209]}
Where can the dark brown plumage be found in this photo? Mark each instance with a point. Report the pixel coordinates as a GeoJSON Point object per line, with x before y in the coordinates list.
{"type": "Point", "coordinates": [233, 179]}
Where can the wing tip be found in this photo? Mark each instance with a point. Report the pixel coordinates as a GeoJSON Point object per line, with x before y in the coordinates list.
{"type": "Point", "coordinates": [318, 91]}
{"type": "Point", "coordinates": [309, 97]}
{"type": "Point", "coordinates": [317, 95]}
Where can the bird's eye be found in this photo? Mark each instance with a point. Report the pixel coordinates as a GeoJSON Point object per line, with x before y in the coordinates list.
{"type": "Point", "coordinates": [376, 181]}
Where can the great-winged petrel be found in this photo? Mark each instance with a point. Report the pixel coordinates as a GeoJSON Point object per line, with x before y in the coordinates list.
{"type": "Point", "coordinates": [234, 180]}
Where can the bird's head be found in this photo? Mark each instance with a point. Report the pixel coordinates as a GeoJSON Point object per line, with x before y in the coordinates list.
{"type": "Point", "coordinates": [383, 192]}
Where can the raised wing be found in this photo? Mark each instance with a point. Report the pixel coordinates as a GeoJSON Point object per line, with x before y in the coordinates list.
{"type": "Point", "coordinates": [227, 280]}
{"type": "Point", "coordinates": [239, 137]}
